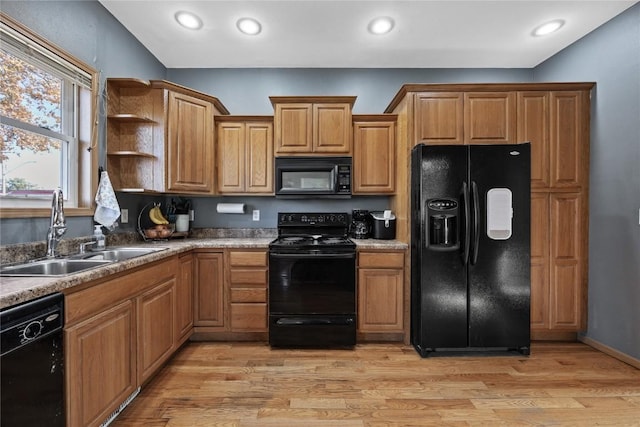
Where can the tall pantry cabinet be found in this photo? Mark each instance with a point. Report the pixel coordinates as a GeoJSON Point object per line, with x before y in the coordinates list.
{"type": "Point", "coordinates": [554, 117]}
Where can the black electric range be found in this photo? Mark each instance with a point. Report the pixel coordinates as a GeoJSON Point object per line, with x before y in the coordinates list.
{"type": "Point", "coordinates": [312, 282]}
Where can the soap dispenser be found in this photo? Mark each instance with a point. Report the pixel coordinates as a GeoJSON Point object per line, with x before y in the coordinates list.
{"type": "Point", "coordinates": [99, 237]}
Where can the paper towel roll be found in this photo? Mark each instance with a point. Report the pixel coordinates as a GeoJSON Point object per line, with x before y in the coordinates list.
{"type": "Point", "coordinates": [231, 208]}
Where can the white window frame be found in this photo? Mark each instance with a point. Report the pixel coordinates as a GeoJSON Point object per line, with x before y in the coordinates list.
{"type": "Point", "coordinates": [81, 83]}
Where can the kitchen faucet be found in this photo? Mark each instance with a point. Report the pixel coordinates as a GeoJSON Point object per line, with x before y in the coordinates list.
{"type": "Point", "coordinates": [57, 225]}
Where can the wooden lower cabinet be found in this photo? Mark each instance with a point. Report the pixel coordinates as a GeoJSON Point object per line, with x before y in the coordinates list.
{"type": "Point", "coordinates": [156, 330]}
{"type": "Point", "coordinates": [557, 264]}
{"type": "Point", "coordinates": [184, 298]}
{"type": "Point", "coordinates": [100, 355]}
{"type": "Point", "coordinates": [381, 295]}
{"type": "Point", "coordinates": [247, 283]}
{"type": "Point", "coordinates": [209, 302]}
{"type": "Point", "coordinates": [119, 331]}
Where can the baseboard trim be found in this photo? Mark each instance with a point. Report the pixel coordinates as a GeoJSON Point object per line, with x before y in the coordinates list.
{"type": "Point", "coordinates": [611, 351]}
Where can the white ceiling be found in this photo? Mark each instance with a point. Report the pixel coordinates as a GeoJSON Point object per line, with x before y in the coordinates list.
{"type": "Point", "coordinates": [333, 34]}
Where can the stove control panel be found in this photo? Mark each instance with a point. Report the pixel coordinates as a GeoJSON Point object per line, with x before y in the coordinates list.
{"type": "Point", "coordinates": [313, 219]}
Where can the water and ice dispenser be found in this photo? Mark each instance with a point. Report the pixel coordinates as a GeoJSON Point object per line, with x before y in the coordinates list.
{"type": "Point", "coordinates": [443, 224]}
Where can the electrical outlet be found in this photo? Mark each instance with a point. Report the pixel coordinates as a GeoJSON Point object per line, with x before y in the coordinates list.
{"type": "Point", "coordinates": [124, 216]}
{"type": "Point", "coordinates": [192, 215]}
{"type": "Point", "coordinates": [256, 215]}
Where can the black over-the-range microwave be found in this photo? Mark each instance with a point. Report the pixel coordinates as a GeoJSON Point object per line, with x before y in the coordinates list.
{"type": "Point", "coordinates": [313, 176]}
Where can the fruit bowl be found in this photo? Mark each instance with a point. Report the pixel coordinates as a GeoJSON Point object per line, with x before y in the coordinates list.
{"type": "Point", "coordinates": [152, 224]}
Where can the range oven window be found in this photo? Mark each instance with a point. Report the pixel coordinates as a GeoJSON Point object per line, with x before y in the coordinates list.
{"type": "Point", "coordinates": [312, 284]}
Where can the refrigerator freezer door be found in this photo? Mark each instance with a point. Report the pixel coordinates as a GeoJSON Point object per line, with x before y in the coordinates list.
{"type": "Point", "coordinates": [438, 274]}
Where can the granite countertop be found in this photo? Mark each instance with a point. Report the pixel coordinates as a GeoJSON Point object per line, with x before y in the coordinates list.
{"type": "Point", "coordinates": [15, 290]}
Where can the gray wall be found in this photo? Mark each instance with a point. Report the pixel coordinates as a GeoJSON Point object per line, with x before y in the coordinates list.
{"type": "Point", "coordinates": [610, 56]}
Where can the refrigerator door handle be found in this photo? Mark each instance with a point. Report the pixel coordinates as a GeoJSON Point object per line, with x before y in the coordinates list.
{"type": "Point", "coordinates": [467, 223]}
{"type": "Point", "coordinates": [476, 223]}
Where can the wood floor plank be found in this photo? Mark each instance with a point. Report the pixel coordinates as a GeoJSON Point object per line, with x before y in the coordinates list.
{"type": "Point", "coordinates": [386, 385]}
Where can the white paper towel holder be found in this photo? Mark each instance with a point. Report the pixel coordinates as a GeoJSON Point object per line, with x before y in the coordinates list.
{"type": "Point", "coordinates": [231, 208]}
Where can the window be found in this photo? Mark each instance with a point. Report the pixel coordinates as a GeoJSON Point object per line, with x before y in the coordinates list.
{"type": "Point", "coordinates": [47, 126]}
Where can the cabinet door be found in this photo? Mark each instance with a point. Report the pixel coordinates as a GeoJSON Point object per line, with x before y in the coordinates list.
{"type": "Point", "coordinates": [209, 289]}
{"type": "Point", "coordinates": [332, 128]}
{"type": "Point", "coordinates": [184, 299]}
{"type": "Point", "coordinates": [540, 260]}
{"type": "Point", "coordinates": [380, 305]}
{"type": "Point", "coordinates": [100, 364]}
{"type": "Point", "coordinates": [293, 128]}
{"type": "Point", "coordinates": [156, 327]}
{"type": "Point", "coordinates": [490, 118]}
{"type": "Point", "coordinates": [567, 135]}
{"type": "Point", "coordinates": [566, 261]}
{"type": "Point", "coordinates": [231, 157]}
{"type": "Point", "coordinates": [533, 126]}
{"type": "Point", "coordinates": [189, 144]}
{"type": "Point", "coordinates": [439, 118]}
{"type": "Point", "coordinates": [374, 157]}
{"type": "Point", "coordinates": [259, 162]}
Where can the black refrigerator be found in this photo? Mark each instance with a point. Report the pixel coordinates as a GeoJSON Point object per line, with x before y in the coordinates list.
{"type": "Point", "coordinates": [470, 249]}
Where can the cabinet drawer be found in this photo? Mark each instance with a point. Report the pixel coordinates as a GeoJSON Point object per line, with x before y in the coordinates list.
{"type": "Point", "coordinates": [254, 276]}
{"type": "Point", "coordinates": [249, 317]}
{"type": "Point", "coordinates": [248, 295]}
{"type": "Point", "coordinates": [248, 259]}
{"type": "Point", "coordinates": [381, 259]}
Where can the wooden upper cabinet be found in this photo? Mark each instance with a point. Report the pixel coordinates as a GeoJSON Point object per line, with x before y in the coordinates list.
{"type": "Point", "coordinates": [567, 125]}
{"type": "Point", "coordinates": [489, 117]}
{"type": "Point", "coordinates": [374, 154]}
{"type": "Point", "coordinates": [533, 126]}
{"type": "Point", "coordinates": [160, 137]}
{"type": "Point", "coordinates": [307, 125]}
{"type": "Point", "coordinates": [190, 144]}
{"type": "Point", "coordinates": [245, 155]}
{"type": "Point", "coordinates": [465, 118]}
{"type": "Point", "coordinates": [293, 125]}
{"type": "Point", "coordinates": [332, 128]}
{"type": "Point", "coordinates": [230, 157]}
{"type": "Point", "coordinates": [439, 118]}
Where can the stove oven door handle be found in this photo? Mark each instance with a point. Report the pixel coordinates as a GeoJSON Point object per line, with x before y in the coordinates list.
{"type": "Point", "coordinates": [314, 256]}
{"type": "Point", "coordinates": [302, 321]}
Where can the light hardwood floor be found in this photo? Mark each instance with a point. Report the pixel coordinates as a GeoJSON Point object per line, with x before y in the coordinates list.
{"type": "Point", "coordinates": [376, 385]}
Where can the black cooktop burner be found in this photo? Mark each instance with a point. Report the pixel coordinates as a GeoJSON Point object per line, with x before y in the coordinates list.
{"type": "Point", "coordinates": [313, 231]}
{"type": "Point", "coordinates": [294, 240]}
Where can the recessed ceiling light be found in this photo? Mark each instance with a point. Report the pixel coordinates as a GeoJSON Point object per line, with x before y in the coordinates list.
{"type": "Point", "coordinates": [548, 27]}
{"type": "Point", "coordinates": [249, 26]}
{"type": "Point", "coordinates": [381, 25]}
{"type": "Point", "coordinates": [188, 20]}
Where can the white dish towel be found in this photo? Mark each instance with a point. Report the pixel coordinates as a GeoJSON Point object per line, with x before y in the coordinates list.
{"type": "Point", "coordinates": [107, 209]}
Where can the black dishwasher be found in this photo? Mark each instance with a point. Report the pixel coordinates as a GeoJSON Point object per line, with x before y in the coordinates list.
{"type": "Point", "coordinates": [32, 362]}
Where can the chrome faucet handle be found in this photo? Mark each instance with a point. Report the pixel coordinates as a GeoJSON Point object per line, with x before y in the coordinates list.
{"type": "Point", "coordinates": [83, 246]}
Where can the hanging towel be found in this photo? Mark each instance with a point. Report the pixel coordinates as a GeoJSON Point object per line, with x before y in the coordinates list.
{"type": "Point", "coordinates": [107, 209]}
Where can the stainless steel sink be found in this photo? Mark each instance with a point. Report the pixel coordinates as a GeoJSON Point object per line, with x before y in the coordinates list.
{"type": "Point", "coordinates": [51, 267]}
{"type": "Point", "coordinates": [75, 263]}
{"type": "Point", "coordinates": [118, 254]}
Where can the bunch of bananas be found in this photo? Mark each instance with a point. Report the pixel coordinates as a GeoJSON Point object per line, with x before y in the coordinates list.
{"type": "Point", "coordinates": [155, 214]}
